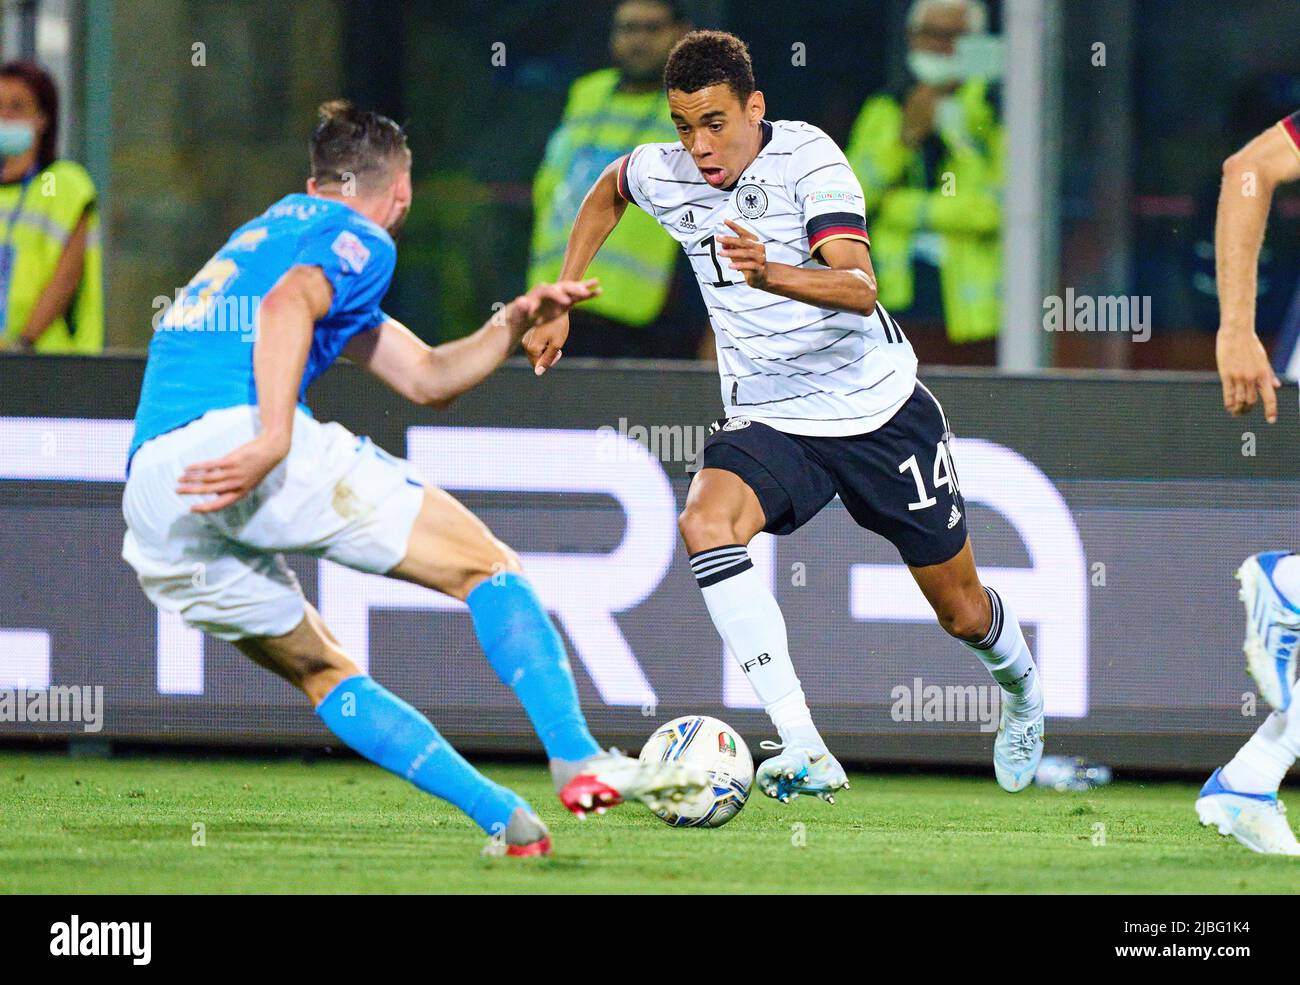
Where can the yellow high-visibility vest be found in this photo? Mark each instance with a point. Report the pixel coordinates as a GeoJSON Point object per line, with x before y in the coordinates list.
{"type": "Point", "coordinates": [964, 212]}
{"type": "Point", "coordinates": [37, 218]}
{"type": "Point", "coordinates": [600, 124]}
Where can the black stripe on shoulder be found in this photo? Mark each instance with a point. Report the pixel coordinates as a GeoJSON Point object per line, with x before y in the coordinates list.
{"type": "Point", "coordinates": [624, 185]}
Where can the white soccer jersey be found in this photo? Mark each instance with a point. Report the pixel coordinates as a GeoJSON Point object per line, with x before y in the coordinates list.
{"type": "Point", "coordinates": [794, 366]}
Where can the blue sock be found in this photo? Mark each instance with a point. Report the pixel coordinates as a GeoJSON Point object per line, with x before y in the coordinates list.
{"type": "Point", "coordinates": [524, 648]}
{"type": "Point", "coordinates": [389, 732]}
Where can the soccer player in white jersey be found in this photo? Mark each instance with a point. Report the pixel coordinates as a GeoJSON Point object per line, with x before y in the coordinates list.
{"type": "Point", "coordinates": [1240, 799]}
{"type": "Point", "coordinates": [820, 389]}
{"type": "Point", "coordinates": [229, 471]}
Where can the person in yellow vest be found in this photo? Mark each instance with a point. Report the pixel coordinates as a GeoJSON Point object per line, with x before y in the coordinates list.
{"type": "Point", "coordinates": [51, 291]}
{"type": "Point", "coordinates": [607, 114]}
{"type": "Point", "coordinates": [930, 160]}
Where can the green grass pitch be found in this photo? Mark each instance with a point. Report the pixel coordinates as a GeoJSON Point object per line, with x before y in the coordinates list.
{"type": "Point", "coordinates": [128, 825]}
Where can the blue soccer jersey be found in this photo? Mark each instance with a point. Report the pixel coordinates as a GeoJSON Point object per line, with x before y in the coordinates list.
{"type": "Point", "coordinates": [201, 355]}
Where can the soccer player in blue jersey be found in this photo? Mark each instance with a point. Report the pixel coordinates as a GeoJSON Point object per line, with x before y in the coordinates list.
{"type": "Point", "coordinates": [229, 471]}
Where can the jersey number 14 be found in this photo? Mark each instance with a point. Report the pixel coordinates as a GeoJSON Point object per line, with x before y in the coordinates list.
{"type": "Point", "coordinates": [944, 475]}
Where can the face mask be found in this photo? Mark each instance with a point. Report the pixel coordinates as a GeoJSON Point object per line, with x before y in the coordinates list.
{"type": "Point", "coordinates": [934, 69]}
{"type": "Point", "coordinates": [16, 137]}
{"type": "Point", "coordinates": [950, 117]}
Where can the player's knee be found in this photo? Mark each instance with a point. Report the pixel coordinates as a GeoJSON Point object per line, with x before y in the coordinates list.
{"type": "Point", "coordinates": [506, 560]}
{"type": "Point", "coordinates": [963, 618]}
{"type": "Point", "coordinates": [330, 663]}
{"type": "Point", "coordinates": [494, 559]}
{"type": "Point", "coordinates": [703, 527]}
{"type": "Point", "coordinates": [324, 673]}
{"type": "Point", "coordinates": [304, 662]}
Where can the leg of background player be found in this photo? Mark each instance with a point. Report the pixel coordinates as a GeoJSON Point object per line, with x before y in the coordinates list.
{"type": "Point", "coordinates": [1240, 799]}
{"type": "Point", "coordinates": [389, 732]}
{"type": "Point", "coordinates": [1263, 761]}
{"type": "Point", "coordinates": [721, 517]}
{"type": "Point", "coordinates": [982, 620]}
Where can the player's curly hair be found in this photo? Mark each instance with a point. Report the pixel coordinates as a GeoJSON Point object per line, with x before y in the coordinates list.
{"type": "Point", "coordinates": [706, 58]}
{"type": "Point", "coordinates": [351, 141]}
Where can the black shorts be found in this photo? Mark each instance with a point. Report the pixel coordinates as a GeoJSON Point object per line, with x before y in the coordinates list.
{"type": "Point", "coordinates": [898, 481]}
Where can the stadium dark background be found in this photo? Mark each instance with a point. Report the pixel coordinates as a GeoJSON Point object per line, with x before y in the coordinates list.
{"type": "Point", "coordinates": [195, 150]}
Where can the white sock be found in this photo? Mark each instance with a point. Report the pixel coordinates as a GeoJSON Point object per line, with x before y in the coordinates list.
{"type": "Point", "coordinates": [1286, 576]}
{"type": "Point", "coordinates": [1006, 656]}
{"type": "Point", "coordinates": [1290, 740]}
{"type": "Point", "coordinates": [1261, 763]}
{"type": "Point", "coordinates": [750, 623]}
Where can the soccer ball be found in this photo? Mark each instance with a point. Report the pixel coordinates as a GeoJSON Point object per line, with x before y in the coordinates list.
{"type": "Point", "coordinates": [712, 746]}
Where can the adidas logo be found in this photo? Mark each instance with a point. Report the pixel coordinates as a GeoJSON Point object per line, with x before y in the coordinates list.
{"type": "Point", "coordinates": [687, 222]}
{"type": "Point", "coordinates": [954, 517]}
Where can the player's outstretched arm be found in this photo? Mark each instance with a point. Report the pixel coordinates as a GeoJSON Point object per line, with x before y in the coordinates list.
{"type": "Point", "coordinates": [1249, 177]}
{"type": "Point", "coordinates": [434, 376]}
{"type": "Point", "coordinates": [846, 283]}
{"type": "Point", "coordinates": [599, 214]}
{"type": "Point", "coordinates": [284, 331]}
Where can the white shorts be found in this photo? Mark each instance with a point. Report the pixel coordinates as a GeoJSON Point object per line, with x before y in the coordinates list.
{"type": "Point", "coordinates": [335, 496]}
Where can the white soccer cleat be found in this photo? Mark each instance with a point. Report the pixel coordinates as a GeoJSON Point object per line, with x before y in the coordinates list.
{"type": "Point", "coordinates": [1018, 748]}
{"type": "Point", "coordinates": [1272, 629]}
{"type": "Point", "coordinates": [800, 770]}
{"type": "Point", "coordinates": [1256, 820]}
{"type": "Point", "coordinates": [610, 778]}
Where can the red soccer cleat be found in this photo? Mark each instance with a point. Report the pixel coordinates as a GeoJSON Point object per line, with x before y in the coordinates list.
{"type": "Point", "coordinates": [610, 778]}
{"type": "Point", "coordinates": [536, 849]}
{"type": "Point", "coordinates": [586, 792]}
